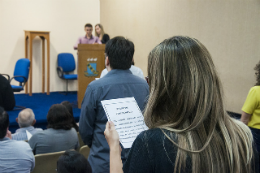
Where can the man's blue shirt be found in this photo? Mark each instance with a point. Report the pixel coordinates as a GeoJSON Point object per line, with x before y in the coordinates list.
{"type": "Point", "coordinates": [116, 84]}
{"type": "Point", "coordinates": [16, 156]}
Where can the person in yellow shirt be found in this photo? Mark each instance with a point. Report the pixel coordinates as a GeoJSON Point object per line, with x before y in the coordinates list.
{"type": "Point", "coordinates": [251, 109]}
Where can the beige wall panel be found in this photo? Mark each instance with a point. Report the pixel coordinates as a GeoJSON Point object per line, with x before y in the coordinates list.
{"type": "Point", "coordinates": [65, 19]}
{"type": "Point", "coordinates": [229, 29]}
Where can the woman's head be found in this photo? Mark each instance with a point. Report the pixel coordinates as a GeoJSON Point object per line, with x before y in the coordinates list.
{"type": "Point", "coordinates": [257, 73]}
{"type": "Point", "coordinates": [59, 117]}
{"type": "Point", "coordinates": [186, 99]}
{"type": "Point", "coordinates": [99, 30]}
{"type": "Point", "coordinates": [68, 105]}
{"type": "Point", "coordinates": [183, 83]}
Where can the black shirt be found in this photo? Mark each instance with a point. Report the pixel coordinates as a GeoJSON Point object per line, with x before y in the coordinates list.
{"type": "Point", "coordinates": [105, 38]}
{"type": "Point", "coordinates": [7, 100]}
{"type": "Point", "coordinates": [153, 152]}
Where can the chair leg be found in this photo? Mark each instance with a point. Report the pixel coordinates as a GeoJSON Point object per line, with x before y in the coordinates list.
{"type": "Point", "coordinates": [65, 92]}
{"type": "Point", "coordinates": [66, 87]}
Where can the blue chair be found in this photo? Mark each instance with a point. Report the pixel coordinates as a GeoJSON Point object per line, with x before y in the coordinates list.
{"type": "Point", "coordinates": [21, 74]}
{"type": "Point", "coordinates": [66, 64]}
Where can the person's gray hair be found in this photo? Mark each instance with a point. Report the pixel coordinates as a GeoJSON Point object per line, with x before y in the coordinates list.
{"type": "Point", "coordinates": [26, 118]}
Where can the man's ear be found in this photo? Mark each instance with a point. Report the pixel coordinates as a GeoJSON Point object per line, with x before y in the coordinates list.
{"type": "Point", "coordinates": [16, 119]}
{"type": "Point", "coordinates": [107, 61]}
{"type": "Point", "coordinates": [34, 121]}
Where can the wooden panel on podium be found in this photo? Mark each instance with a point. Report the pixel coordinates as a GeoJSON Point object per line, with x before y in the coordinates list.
{"type": "Point", "coordinates": [91, 62]}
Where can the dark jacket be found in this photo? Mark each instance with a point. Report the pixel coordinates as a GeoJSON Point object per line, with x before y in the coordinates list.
{"type": "Point", "coordinates": [7, 100]}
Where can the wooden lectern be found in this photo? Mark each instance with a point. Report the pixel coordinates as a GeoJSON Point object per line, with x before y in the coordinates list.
{"type": "Point", "coordinates": [91, 62]}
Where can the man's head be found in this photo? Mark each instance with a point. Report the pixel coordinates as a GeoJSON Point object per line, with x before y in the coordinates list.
{"type": "Point", "coordinates": [72, 161]}
{"type": "Point", "coordinates": [88, 29]}
{"type": "Point", "coordinates": [4, 122]}
{"type": "Point", "coordinates": [119, 53]}
{"type": "Point", "coordinates": [26, 118]}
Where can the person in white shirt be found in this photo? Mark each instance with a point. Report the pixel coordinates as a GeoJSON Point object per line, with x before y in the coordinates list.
{"type": "Point", "coordinates": [135, 71]}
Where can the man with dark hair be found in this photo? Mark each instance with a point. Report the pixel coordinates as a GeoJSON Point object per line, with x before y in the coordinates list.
{"type": "Point", "coordinates": [88, 38]}
{"type": "Point", "coordinates": [118, 83]}
{"type": "Point", "coordinates": [16, 156]}
{"type": "Point", "coordinates": [72, 161]}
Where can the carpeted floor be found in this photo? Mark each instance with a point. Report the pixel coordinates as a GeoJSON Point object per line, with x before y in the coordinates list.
{"type": "Point", "coordinates": [40, 104]}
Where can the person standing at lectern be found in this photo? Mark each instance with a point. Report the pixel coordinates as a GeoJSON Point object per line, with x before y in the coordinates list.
{"type": "Point", "coordinates": [100, 33]}
{"type": "Point", "coordinates": [88, 38]}
{"type": "Point", "coordinates": [118, 83]}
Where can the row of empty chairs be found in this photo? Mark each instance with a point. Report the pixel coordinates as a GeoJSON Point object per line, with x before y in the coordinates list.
{"type": "Point", "coordinates": [66, 64]}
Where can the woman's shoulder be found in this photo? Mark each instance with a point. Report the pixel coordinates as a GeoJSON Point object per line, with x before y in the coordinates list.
{"type": "Point", "coordinates": [154, 135]}
{"type": "Point", "coordinates": [72, 132]}
{"type": "Point", "coordinates": [105, 37]}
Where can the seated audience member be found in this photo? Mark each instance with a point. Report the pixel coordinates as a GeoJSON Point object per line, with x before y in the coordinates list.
{"type": "Point", "coordinates": [72, 161]}
{"type": "Point", "coordinates": [59, 135]}
{"type": "Point", "coordinates": [70, 109]}
{"type": "Point", "coordinates": [251, 109]}
{"type": "Point", "coordinates": [88, 38]}
{"type": "Point", "coordinates": [26, 120]}
{"type": "Point", "coordinates": [7, 100]}
{"type": "Point", "coordinates": [134, 70]}
{"type": "Point", "coordinates": [100, 33]}
{"type": "Point", "coordinates": [15, 156]}
{"type": "Point", "coordinates": [189, 128]}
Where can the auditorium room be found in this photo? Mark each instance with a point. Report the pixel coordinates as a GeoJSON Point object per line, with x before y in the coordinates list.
{"type": "Point", "coordinates": [130, 86]}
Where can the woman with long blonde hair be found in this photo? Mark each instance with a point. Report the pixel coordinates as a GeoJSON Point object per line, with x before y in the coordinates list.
{"type": "Point", "coordinates": [189, 129]}
{"type": "Point", "coordinates": [100, 33]}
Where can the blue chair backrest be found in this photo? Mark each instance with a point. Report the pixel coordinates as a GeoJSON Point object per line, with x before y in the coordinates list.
{"type": "Point", "coordinates": [66, 61]}
{"type": "Point", "coordinates": [22, 68]}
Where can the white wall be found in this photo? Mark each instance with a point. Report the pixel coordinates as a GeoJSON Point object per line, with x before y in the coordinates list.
{"type": "Point", "coordinates": [229, 29]}
{"type": "Point", "coordinates": [65, 19]}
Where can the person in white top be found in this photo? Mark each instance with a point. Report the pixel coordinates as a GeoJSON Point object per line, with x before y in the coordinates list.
{"type": "Point", "coordinates": [135, 71]}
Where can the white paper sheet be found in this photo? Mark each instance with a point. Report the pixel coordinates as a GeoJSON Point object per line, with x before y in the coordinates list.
{"type": "Point", "coordinates": [29, 135]}
{"type": "Point", "coordinates": [127, 117]}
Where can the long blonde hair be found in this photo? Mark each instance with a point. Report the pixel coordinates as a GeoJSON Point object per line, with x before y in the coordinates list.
{"type": "Point", "coordinates": [102, 32]}
{"type": "Point", "coordinates": [186, 99]}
